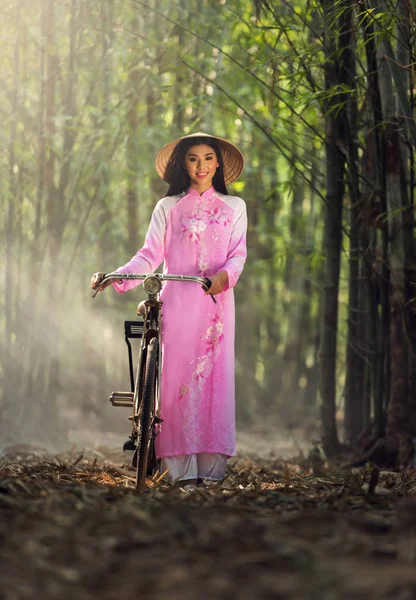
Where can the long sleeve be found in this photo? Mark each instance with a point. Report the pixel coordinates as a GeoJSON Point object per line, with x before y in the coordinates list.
{"type": "Point", "coordinates": [237, 250]}
{"type": "Point", "coordinates": [151, 255]}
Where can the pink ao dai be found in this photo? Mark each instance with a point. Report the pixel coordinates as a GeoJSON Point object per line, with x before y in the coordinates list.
{"type": "Point", "coordinates": [199, 235]}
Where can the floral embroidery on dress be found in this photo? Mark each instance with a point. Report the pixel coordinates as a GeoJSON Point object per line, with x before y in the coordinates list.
{"type": "Point", "coordinates": [200, 227]}
{"type": "Point", "coordinates": [202, 366]}
{"type": "Point", "coordinates": [206, 213]}
{"type": "Point", "coordinates": [215, 333]}
{"type": "Point", "coordinates": [218, 216]}
{"type": "Point", "coordinates": [193, 227]}
{"type": "Point", "coordinates": [183, 390]}
{"type": "Point", "coordinates": [203, 264]}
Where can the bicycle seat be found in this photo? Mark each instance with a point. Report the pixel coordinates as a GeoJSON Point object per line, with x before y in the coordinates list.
{"type": "Point", "coordinates": [141, 308]}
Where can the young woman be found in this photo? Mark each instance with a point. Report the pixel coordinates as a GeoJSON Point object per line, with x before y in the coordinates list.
{"type": "Point", "coordinates": [197, 229]}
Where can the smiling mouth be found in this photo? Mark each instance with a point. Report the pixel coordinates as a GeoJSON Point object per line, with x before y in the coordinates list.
{"type": "Point", "coordinates": [202, 174]}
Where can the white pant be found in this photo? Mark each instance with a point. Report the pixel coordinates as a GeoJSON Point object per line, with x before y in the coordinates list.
{"type": "Point", "coordinates": [193, 466]}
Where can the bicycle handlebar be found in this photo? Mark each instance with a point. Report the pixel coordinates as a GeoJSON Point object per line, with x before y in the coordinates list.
{"type": "Point", "coordinates": [204, 281]}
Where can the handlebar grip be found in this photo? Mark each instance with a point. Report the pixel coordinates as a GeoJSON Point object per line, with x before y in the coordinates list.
{"type": "Point", "coordinates": [207, 285]}
{"type": "Point", "coordinates": [103, 276]}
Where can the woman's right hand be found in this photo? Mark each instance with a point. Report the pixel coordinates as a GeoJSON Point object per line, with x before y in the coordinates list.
{"type": "Point", "coordinates": [96, 280]}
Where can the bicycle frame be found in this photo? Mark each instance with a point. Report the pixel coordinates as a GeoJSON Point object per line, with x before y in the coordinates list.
{"type": "Point", "coordinates": [152, 328]}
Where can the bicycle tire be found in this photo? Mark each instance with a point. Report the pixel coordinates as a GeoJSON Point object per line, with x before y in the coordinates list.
{"type": "Point", "coordinates": [137, 399]}
{"type": "Point", "coordinates": [144, 433]}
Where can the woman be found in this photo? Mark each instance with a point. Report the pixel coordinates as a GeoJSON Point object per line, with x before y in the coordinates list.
{"type": "Point", "coordinates": [197, 229]}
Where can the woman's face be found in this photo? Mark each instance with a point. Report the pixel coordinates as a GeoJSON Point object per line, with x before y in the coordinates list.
{"type": "Point", "coordinates": [201, 163]}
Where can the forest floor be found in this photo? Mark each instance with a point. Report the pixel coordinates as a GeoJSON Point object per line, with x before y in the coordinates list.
{"type": "Point", "coordinates": [73, 526]}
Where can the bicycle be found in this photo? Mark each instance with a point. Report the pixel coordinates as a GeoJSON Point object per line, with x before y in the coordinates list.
{"type": "Point", "coordinates": [145, 396]}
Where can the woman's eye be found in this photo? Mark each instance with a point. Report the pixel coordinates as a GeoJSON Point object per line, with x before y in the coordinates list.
{"type": "Point", "coordinates": [209, 157]}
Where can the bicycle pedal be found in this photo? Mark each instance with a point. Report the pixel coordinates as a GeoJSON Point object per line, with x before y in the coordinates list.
{"type": "Point", "coordinates": [129, 445]}
{"type": "Point", "coordinates": [122, 399]}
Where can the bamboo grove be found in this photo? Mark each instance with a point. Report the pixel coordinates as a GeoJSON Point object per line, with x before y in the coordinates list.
{"type": "Point", "coordinates": [320, 97]}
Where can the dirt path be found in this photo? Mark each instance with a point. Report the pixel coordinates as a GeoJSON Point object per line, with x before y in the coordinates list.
{"type": "Point", "coordinates": [74, 527]}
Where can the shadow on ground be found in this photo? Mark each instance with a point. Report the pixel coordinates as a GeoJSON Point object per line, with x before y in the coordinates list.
{"type": "Point", "coordinates": [73, 526]}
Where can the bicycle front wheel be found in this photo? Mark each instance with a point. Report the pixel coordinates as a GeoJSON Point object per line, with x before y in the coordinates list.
{"type": "Point", "coordinates": [147, 412]}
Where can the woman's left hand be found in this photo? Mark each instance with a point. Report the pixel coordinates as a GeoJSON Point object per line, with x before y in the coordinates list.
{"type": "Point", "coordinates": [218, 283]}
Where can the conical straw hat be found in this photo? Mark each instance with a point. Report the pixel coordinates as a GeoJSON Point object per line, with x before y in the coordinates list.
{"type": "Point", "coordinates": [232, 158]}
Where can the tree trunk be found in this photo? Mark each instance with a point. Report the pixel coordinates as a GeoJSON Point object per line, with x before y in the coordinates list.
{"type": "Point", "coordinates": [335, 168]}
{"type": "Point", "coordinates": [69, 130]}
{"type": "Point", "coordinates": [271, 359]}
{"type": "Point", "coordinates": [50, 129]}
{"type": "Point", "coordinates": [179, 90]}
{"type": "Point", "coordinates": [380, 275]}
{"type": "Point", "coordinates": [370, 324]}
{"type": "Point", "coordinates": [9, 353]}
{"type": "Point", "coordinates": [309, 325]}
{"type": "Point", "coordinates": [404, 51]}
{"type": "Point", "coordinates": [355, 365]}
{"type": "Point", "coordinates": [398, 433]}
{"type": "Point", "coordinates": [49, 418]}
{"type": "Point", "coordinates": [132, 150]}
{"type": "Point", "coordinates": [294, 310]}
{"type": "Point", "coordinates": [104, 241]}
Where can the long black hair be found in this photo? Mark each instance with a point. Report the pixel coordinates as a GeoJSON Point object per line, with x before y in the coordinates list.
{"type": "Point", "coordinates": [176, 171]}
